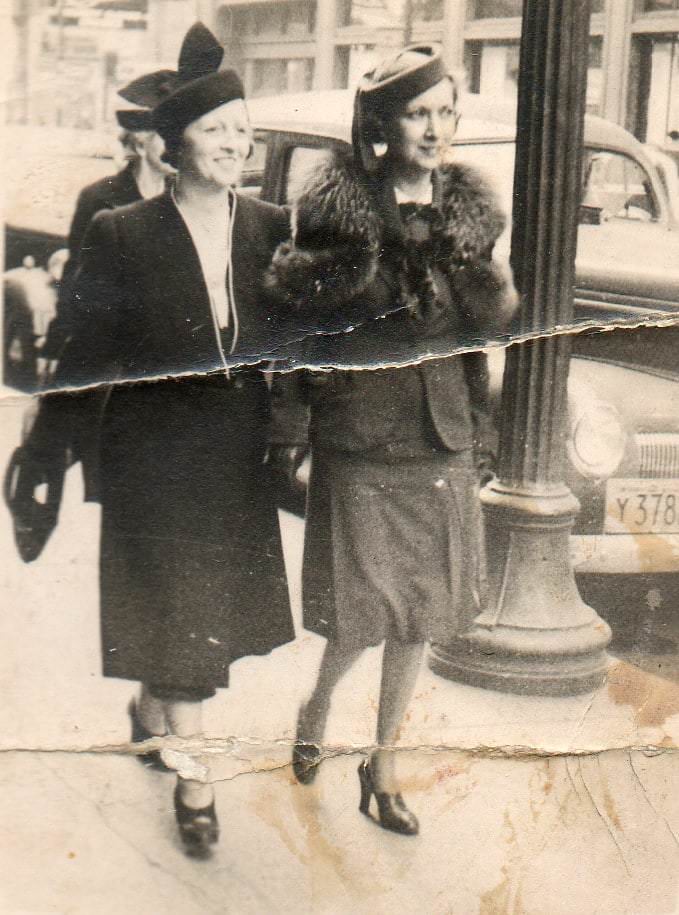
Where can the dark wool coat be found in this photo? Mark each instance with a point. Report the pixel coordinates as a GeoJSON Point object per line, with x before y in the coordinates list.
{"type": "Point", "coordinates": [192, 573]}
{"type": "Point", "coordinates": [106, 194]}
{"type": "Point", "coordinates": [393, 502]}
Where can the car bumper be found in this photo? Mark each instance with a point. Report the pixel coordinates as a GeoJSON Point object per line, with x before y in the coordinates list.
{"type": "Point", "coordinates": [628, 554]}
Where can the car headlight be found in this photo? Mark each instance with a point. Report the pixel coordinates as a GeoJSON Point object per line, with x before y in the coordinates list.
{"type": "Point", "coordinates": [597, 441]}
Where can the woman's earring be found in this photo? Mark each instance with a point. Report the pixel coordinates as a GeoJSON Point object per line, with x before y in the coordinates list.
{"type": "Point", "coordinates": [380, 149]}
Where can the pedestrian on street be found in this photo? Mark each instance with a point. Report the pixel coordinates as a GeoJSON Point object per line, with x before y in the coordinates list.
{"type": "Point", "coordinates": [391, 258]}
{"type": "Point", "coordinates": [144, 176]}
{"type": "Point", "coordinates": [169, 295]}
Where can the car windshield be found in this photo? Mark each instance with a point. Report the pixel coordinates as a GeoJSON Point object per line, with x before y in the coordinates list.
{"type": "Point", "coordinates": [615, 187]}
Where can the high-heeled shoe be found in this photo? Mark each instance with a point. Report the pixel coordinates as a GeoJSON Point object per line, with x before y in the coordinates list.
{"type": "Point", "coordinates": [305, 756]}
{"type": "Point", "coordinates": [198, 827]}
{"type": "Point", "coordinates": [152, 758]}
{"type": "Point", "coordinates": [392, 811]}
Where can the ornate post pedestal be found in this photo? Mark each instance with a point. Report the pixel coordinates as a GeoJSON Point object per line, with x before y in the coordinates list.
{"type": "Point", "coordinates": [539, 637]}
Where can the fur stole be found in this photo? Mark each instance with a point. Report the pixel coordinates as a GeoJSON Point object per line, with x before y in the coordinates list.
{"type": "Point", "coordinates": [346, 229]}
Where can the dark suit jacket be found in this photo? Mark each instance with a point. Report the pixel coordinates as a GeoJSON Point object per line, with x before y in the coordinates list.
{"type": "Point", "coordinates": [107, 194]}
{"type": "Point", "coordinates": [440, 402]}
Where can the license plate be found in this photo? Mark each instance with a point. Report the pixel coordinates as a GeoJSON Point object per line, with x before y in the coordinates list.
{"type": "Point", "coordinates": [642, 507]}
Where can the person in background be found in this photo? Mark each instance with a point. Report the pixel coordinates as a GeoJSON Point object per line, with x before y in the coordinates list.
{"type": "Point", "coordinates": [30, 297]}
{"type": "Point", "coordinates": [391, 260]}
{"type": "Point", "coordinates": [144, 176]}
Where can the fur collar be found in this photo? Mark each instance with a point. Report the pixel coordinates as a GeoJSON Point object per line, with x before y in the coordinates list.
{"type": "Point", "coordinates": [345, 223]}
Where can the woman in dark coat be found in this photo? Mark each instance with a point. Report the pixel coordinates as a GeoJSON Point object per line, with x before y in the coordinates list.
{"type": "Point", "coordinates": [169, 297]}
{"type": "Point", "coordinates": [392, 258]}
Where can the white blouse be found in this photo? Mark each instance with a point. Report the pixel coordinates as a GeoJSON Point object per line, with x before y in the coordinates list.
{"type": "Point", "coordinates": [212, 238]}
{"type": "Point", "coordinates": [427, 196]}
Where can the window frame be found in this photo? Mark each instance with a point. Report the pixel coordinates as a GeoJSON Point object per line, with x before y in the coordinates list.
{"type": "Point", "coordinates": [657, 213]}
{"type": "Point", "coordinates": [281, 150]}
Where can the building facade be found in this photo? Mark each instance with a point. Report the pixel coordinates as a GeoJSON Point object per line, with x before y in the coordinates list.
{"type": "Point", "coordinates": [294, 45]}
{"type": "Point", "coordinates": [71, 55]}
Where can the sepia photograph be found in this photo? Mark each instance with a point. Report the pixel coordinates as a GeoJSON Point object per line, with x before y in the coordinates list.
{"type": "Point", "coordinates": [340, 457]}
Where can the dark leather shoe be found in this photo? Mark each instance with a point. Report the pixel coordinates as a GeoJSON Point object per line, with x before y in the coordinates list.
{"type": "Point", "coordinates": [305, 756]}
{"type": "Point", "coordinates": [305, 760]}
{"type": "Point", "coordinates": [198, 827]}
{"type": "Point", "coordinates": [391, 809]}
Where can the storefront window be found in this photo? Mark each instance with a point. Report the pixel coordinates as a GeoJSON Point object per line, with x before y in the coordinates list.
{"type": "Point", "coordinates": [595, 76]}
{"type": "Point", "coordinates": [427, 10]}
{"type": "Point", "coordinates": [656, 6]}
{"type": "Point", "coordinates": [374, 13]}
{"type": "Point", "coordinates": [505, 9]}
{"type": "Point", "coordinates": [493, 69]}
{"type": "Point", "coordinates": [657, 90]}
{"type": "Point", "coordinates": [275, 20]}
{"type": "Point", "coordinates": [494, 9]}
{"type": "Point", "coordinates": [278, 75]}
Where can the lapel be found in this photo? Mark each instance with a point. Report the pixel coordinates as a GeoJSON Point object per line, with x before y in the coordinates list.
{"type": "Point", "coordinates": [182, 303]}
{"type": "Point", "coordinates": [250, 258]}
{"type": "Point", "coordinates": [385, 198]}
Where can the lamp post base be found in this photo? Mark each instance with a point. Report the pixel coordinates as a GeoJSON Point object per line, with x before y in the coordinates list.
{"type": "Point", "coordinates": [494, 659]}
{"type": "Point", "coordinates": [540, 638]}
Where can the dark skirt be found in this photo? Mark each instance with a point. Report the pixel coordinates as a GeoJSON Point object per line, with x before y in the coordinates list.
{"type": "Point", "coordinates": [192, 573]}
{"type": "Point", "coordinates": [393, 548]}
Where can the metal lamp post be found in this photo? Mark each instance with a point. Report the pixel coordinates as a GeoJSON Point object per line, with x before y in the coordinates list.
{"type": "Point", "coordinates": [540, 637]}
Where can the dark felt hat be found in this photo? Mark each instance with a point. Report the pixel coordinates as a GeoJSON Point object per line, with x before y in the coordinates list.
{"type": "Point", "coordinates": [379, 97]}
{"type": "Point", "coordinates": [145, 92]}
{"type": "Point", "coordinates": [200, 85]}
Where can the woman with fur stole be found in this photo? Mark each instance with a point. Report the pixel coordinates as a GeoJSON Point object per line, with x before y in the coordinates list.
{"type": "Point", "coordinates": [391, 263]}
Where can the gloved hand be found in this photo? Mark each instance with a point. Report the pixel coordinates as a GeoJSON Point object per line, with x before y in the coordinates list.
{"type": "Point", "coordinates": [285, 460]}
{"type": "Point", "coordinates": [487, 294]}
{"type": "Point", "coordinates": [478, 278]}
{"type": "Point", "coordinates": [485, 467]}
{"type": "Point", "coordinates": [28, 418]}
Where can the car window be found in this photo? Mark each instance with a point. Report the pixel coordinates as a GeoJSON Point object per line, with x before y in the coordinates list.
{"type": "Point", "coordinates": [302, 163]}
{"type": "Point", "coordinates": [253, 173]}
{"type": "Point", "coordinates": [615, 187]}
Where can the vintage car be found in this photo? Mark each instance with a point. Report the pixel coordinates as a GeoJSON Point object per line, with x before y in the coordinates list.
{"type": "Point", "coordinates": [623, 442]}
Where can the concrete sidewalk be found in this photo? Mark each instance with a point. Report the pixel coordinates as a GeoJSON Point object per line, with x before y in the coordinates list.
{"type": "Point", "coordinates": [528, 806]}
{"type": "Point", "coordinates": [87, 834]}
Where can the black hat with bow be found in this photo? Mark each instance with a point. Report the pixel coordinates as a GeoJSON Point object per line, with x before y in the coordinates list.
{"type": "Point", "coordinates": [145, 92]}
{"type": "Point", "coordinates": [200, 86]}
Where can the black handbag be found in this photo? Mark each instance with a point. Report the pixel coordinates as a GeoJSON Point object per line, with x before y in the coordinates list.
{"type": "Point", "coordinates": [34, 520]}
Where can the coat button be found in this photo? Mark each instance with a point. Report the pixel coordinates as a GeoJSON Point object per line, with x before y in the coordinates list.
{"type": "Point", "coordinates": [439, 484]}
